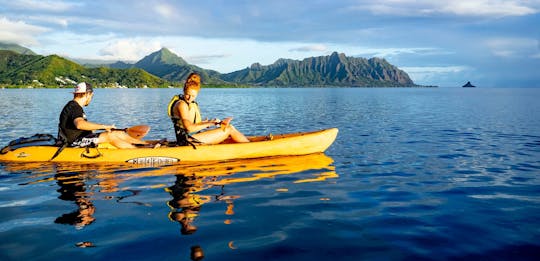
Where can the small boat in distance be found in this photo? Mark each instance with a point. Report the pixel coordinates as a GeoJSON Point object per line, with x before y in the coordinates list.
{"type": "Point", "coordinates": [468, 84]}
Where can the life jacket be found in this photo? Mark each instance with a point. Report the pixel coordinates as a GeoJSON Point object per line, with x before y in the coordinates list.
{"type": "Point", "coordinates": [183, 137]}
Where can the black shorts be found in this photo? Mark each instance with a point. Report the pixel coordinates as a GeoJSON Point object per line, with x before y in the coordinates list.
{"type": "Point", "coordinates": [86, 140]}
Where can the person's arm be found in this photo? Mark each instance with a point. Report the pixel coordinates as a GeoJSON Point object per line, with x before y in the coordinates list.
{"type": "Point", "coordinates": [188, 124]}
{"type": "Point", "coordinates": [82, 124]}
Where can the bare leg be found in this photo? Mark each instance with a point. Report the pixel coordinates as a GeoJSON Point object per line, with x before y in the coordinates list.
{"type": "Point", "coordinates": [213, 136]}
{"type": "Point", "coordinates": [237, 135]}
{"type": "Point", "coordinates": [119, 139]}
{"type": "Point", "coordinates": [216, 136]}
{"type": "Point", "coordinates": [127, 138]}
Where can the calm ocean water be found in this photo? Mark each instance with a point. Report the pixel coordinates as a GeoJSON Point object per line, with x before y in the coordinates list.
{"type": "Point", "coordinates": [437, 174]}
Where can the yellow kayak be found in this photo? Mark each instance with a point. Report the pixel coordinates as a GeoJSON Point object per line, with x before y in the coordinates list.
{"type": "Point", "coordinates": [302, 143]}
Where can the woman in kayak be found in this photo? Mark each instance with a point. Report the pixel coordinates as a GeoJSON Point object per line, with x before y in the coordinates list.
{"type": "Point", "coordinates": [188, 124]}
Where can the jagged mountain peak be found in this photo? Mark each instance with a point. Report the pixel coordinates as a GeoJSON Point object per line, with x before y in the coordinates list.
{"type": "Point", "coordinates": [336, 57]}
{"type": "Point", "coordinates": [335, 69]}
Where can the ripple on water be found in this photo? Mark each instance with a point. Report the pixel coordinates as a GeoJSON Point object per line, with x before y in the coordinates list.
{"type": "Point", "coordinates": [454, 156]}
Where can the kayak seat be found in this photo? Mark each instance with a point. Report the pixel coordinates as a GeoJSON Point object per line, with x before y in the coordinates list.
{"type": "Point", "coordinates": [35, 140]}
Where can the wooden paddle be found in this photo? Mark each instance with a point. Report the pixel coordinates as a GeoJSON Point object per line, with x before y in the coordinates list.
{"type": "Point", "coordinates": [137, 132]}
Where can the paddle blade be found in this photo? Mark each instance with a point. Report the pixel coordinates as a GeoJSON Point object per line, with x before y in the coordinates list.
{"type": "Point", "coordinates": [138, 132]}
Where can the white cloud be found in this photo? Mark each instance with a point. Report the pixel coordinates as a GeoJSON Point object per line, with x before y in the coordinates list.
{"type": "Point", "coordinates": [495, 8]}
{"type": "Point", "coordinates": [435, 69]}
{"type": "Point", "coordinates": [19, 32]}
{"type": "Point", "coordinates": [310, 48]}
{"type": "Point", "coordinates": [513, 47]}
{"type": "Point", "coordinates": [205, 59]}
{"type": "Point", "coordinates": [42, 5]}
{"type": "Point", "coordinates": [164, 10]}
{"type": "Point", "coordinates": [129, 49]}
{"type": "Point", "coordinates": [50, 20]}
{"type": "Point", "coordinates": [433, 74]}
{"type": "Point", "coordinates": [390, 52]}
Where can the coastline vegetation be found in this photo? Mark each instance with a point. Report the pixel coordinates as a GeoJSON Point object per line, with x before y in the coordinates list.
{"type": "Point", "coordinates": [20, 68]}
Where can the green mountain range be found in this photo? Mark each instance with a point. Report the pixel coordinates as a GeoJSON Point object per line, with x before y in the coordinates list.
{"type": "Point", "coordinates": [164, 68]}
{"type": "Point", "coordinates": [54, 71]}
{"type": "Point", "coordinates": [333, 70]}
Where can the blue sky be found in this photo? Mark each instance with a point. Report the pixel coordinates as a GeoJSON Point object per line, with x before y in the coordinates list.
{"type": "Point", "coordinates": [491, 43]}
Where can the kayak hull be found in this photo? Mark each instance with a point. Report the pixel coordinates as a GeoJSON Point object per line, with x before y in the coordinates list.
{"type": "Point", "coordinates": [278, 145]}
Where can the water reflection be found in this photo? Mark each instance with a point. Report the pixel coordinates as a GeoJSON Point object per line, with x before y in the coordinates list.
{"type": "Point", "coordinates": [191, 180]}
{"type": "Point", "coordinates": [84, 184]}
{"type": "Point", "coordinates": [77, 183]}
{"type": "Point", "coordinates": [73, 188]}
{"type": "Point", "coordinates": [185, 206]}
{"type": "Point", "coordinates": [185, 203]}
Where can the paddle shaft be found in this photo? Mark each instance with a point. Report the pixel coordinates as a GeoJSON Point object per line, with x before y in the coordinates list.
{"type": "Point", "coordinates": [137, 132]}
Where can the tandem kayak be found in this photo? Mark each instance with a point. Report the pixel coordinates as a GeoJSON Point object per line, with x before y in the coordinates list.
{"type": "Point", "coordinates": [302, 143]}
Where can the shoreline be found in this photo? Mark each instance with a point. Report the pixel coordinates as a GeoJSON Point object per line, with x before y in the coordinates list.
{"type": "Point", "coordinates": [219, 87]}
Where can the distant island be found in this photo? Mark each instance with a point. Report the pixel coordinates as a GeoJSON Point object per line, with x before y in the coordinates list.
{"type": "Point", "coordinates": [468, 85]}
{"type": "Point", "coordinates": [22, 68]}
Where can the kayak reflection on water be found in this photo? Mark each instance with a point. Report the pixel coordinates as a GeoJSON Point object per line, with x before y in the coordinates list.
{"type": "Point", "coordinates": [84, 184]}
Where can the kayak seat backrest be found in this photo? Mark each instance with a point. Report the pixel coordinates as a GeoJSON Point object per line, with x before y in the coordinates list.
{"type": "Point", "coordinates": [35, 140]}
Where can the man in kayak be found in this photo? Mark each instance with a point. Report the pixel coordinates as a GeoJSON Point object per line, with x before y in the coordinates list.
{"type": "Point", "coordinates": [76, 131]}
{"type": "Point", "coordinates": [189, 126]}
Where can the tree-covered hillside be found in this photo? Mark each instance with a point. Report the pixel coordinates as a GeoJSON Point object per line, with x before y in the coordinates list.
{"type": "Point", "coordinates": [55, 71]}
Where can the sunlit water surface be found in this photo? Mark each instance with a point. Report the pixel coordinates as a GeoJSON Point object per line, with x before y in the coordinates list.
{"type": "Point", "coordinates": [442, 173]}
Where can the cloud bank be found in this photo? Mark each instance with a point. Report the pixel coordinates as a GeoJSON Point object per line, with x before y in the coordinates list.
{"type": "Point", "coordinates": [19, 32]}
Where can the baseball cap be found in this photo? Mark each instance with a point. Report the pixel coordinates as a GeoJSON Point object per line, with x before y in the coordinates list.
{"type": "Point", "coordinates": [83, 87]}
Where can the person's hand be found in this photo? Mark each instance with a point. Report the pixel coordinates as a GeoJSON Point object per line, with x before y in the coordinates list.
{"type": "Point", "coordinates": [108, 128]}
{"type": "Point", "coordinates": [226, 121]}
